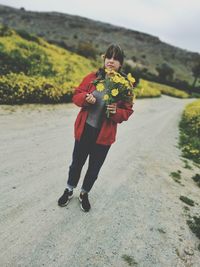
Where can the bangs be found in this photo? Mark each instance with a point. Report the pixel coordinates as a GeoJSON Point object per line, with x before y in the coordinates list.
{"type": "Point", "coordinates": [116, 52]}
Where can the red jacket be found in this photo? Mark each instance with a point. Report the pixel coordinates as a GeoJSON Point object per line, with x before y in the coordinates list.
{"type": "Point", "coordinates": [108, 129]}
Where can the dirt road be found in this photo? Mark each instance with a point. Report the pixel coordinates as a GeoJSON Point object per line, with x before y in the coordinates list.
{"type": "Point", "coordinates": [136, 209]}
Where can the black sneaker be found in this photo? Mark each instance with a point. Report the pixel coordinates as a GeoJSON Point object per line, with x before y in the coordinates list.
{"type": "Point", "coordinates": [65, 198]}
{"type": "Point", "coordinates": [84, 202]}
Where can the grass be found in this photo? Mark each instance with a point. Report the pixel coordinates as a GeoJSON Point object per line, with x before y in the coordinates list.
{"type": "Point", "coordinates": [176, 176]}
{"type": "Point", "coordinates": [129, 259]}
{"type": "Point", "coordinates": [196, 178]}
{"type": "Point", "coordinates": [194, 225]}
{"type": "Point", "coordinates": [186, 208]}
{"type": "Point", "coordinates": [162, 231]}
{"type": "Point", "coordinates": [187, 200]}
{"type": "Point", "coordinates": [187, 166]}
{"type": "Point", "coordinates": [196, 165]}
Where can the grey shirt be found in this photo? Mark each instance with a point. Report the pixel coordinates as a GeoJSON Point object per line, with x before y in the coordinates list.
{"type": "Point", "coordinates": [95, 111]}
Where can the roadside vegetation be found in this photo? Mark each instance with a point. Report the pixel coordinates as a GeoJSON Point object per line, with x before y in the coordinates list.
{"type": "Point", "coordinates": [189, 126]}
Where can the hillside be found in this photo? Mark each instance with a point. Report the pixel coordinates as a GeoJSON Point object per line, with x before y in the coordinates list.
{"type": "Point", "coordinates": [142, 50]}
{"type": "Point", "coordinates": [32, 70]}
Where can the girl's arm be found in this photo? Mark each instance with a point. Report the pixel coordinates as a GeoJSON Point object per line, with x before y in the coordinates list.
{"type": "Point", "coordinates": [79, 97]}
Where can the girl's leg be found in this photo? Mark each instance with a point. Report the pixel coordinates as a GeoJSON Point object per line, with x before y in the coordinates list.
{"type": "Point", "coordinates": [79, 157]}
{"type": "Point", "coordinates": [96, 160]}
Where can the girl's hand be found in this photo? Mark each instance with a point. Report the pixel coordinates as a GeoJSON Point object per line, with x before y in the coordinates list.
{"type": "Point", "coordinates": [90, 98]}
{"type": "Point", "coordinates": [112, 108]}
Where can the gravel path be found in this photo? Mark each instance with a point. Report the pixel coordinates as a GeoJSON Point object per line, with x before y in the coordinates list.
{"type": "Point", "coordinates": [136, 209]}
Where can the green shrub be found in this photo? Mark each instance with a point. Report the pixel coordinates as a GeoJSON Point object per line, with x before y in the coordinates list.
{"type": "Point", "coordinates": [189, 126]}
{"type": "Point", "coordinates": [153, 89]}
{"type": "Point", "coordinates": [143, 89]}
{"type": "Point", "coordinates": [29, 59]}
{"type": "Point", "coordinates": [27, 36]}
{"type": "Point", "coordinates": [195, 225]}
{"type": "Point", "coordinates": [19, 88]}
{"type": "Point", "coordinates": [5, 31]}
{"type": "Point", "coordinates": [196, 178]}
{"type": "Point", "coordinates": [34, 71]}
{"type": "Point", "coordinates": [87, 50]}
{"type": "Point", "coordinates": [187, 200]}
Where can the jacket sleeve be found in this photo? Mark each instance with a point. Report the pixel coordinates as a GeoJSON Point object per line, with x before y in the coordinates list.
{"type": "Point", "coordinates": [80, 93]}
{"type": "Point", "coordinates": [123, 112]}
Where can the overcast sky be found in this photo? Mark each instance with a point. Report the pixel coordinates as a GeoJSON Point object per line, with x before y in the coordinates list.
{"type": "Point", "coordinates": [176, 22]}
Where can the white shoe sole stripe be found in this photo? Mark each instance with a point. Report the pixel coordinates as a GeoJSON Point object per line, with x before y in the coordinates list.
{"type": "Point", "coordinates": [81, 205]}
{"type": "Point", "coordinates": [69, 198]}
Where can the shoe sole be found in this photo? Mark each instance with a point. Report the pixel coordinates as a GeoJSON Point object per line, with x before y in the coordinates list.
{"type": "Point", "coordinates": [81, 205]}
{"type": "Point", "coordinates": [63, 205]}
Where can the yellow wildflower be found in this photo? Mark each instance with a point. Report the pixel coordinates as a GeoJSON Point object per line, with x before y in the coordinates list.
{"type": "Point", "coordinates": [100, 87]}
{"type": "Point", "coordinates": [110, 71]}
{"type": "Point", "coordinates": [114, 92]}
{"type": "Point", "coordinates": [116, 79]}
{"type": "Point", "coordinates": [130, 78]}
{"type": "Point", "coordinates": [106, 97]}
{"type": "Point", "coordinates": [127, 84]}
{"type": "Point", "coordinates": [122, 80]}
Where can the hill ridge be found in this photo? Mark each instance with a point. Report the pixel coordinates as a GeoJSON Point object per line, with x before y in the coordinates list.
{"type": "Point", "coordinates": [70, 31]}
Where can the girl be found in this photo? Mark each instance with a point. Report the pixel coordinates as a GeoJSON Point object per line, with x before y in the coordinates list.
{"type": "Point", "coordinates": [94, 132]}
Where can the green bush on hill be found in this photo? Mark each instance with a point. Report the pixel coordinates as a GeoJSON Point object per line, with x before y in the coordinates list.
{"type": "Point", "coordinates": [20, 88]}
{"type": "Point", "coordinates": [143, 90]}
{"type": "Point", "coordinates": [32, 70]}
{"type": "Point", "coordinates": [169, 90]}
{"type": "Point", "coordinates": [153, 89]}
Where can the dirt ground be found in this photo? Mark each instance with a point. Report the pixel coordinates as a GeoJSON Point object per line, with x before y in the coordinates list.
{"type": "Point", "coordinates": [136, 217]}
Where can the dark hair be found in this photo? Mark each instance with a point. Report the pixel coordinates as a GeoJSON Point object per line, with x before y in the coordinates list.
{"type": "Point", "coordinates": [115, 51]}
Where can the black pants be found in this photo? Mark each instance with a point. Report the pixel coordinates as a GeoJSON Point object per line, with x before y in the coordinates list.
{"type": "Point", "coordinates": [97, 154]}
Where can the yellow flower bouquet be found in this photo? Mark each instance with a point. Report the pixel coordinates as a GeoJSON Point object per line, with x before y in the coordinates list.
{"type": "Point", "coordinates": [117, 87]}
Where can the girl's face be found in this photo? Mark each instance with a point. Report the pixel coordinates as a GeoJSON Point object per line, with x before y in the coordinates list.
{"type": "Point", "coordinates": [112, 63]}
